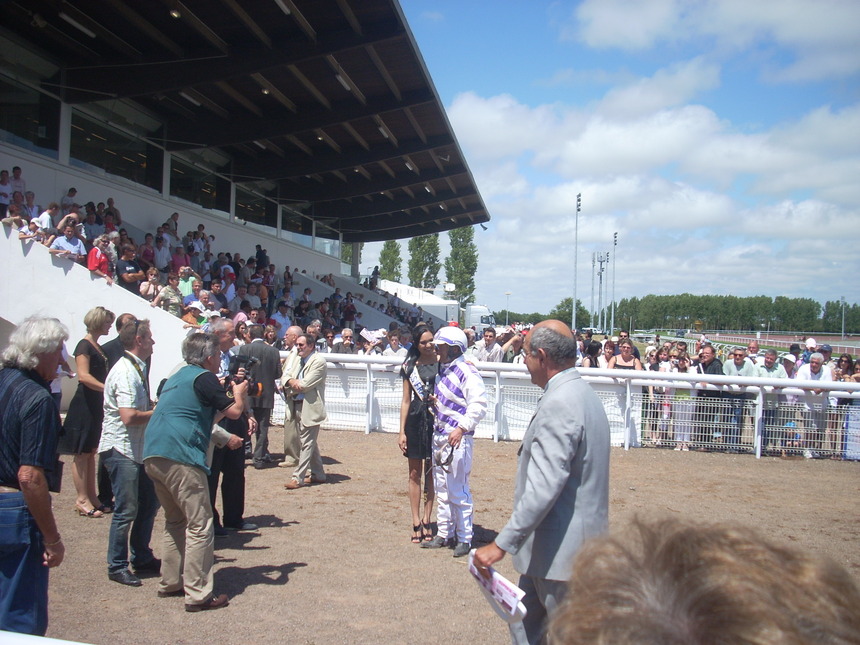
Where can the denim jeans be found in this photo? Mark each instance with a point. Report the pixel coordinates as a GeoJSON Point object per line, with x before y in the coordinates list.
{"type": "Point", "coordinates": [23, 578]}
{"type": "Point", "coordinates": [134, 512]}
{"type": "Point", "coordinates": [735, 418]}
{"type": "Point", "coordinates": [769, 428]}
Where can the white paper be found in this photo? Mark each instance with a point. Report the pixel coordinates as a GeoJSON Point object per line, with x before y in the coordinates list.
{"type": "Point", "coordinates": [502, 594]}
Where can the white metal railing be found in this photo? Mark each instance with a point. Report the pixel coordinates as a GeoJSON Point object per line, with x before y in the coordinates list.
{"type": "Point", "coordinates": [682, 411]}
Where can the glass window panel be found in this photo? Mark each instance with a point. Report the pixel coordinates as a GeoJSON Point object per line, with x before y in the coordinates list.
{"type": "Point", "coordinates": [97, 145]}
{"type": "Point", "coordinates": [29, 119]}
{"type": "Point", "coordinates": [195, 185]}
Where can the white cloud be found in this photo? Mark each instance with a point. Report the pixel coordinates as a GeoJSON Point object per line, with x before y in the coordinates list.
{"type": "Point", "coordinates": [500, 126]}
{"type": "Point", "coordinates": [433, 16]}
{"type": "Point", "coordinates": [569, 76]}
{"type": "Point", "coordinates": [820, 35]}
{"type": "Point", "coordinates": [806, 220]}
{"type": "Point", "coordinates": [628, 24]}
{"type": "Point", "coordinates": [500, 180]}
{"type": "Point", "coordinates": [667, 88]}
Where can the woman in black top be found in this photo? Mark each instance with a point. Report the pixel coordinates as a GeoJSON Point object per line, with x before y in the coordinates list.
{"type": "Point", "coordinates": [83, 426]}
{"type": "Point", "coordinates": [416, 427]}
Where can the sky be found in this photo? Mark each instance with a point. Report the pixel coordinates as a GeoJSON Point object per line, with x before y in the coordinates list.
{"type": "Point", "coordinates": [719, 138]}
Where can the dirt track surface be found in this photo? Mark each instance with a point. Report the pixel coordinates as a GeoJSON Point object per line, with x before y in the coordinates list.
{"type": "Point", "coordinates": [333, 563]}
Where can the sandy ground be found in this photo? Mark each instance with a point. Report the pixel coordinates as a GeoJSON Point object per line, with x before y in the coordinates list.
{"type": "Point", "coordinates": [333, 563]}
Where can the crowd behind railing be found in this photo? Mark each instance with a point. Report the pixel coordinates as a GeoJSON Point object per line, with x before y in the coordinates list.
{"type": "Point", "coordinates": [804, 405]}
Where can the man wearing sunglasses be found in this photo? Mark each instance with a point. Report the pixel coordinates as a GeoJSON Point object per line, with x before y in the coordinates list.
{"type": "Point", "coordinates": [738, 366]}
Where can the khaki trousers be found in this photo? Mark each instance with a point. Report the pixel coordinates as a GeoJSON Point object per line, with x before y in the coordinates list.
{"type": "Point", "coordinates": [189, 538]}
{"type": "Point", "coordinates": [310, 457]}
{"type": "Point", "coordinates": [292, 443]}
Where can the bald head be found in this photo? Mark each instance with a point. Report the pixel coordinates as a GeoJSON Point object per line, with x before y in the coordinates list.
{"type": "Point", "coordinates": [555, 325]}
{"type": "Point", "coordinates": [550, 349]}
{"type": "Point", "coordinates": [291, 335]}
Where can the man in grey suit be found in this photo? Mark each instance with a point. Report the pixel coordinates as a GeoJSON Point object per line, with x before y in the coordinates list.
{"type": "Point", "coordinates": [561, 497]}
{"type": "Point", "coordinates": [265, 372]}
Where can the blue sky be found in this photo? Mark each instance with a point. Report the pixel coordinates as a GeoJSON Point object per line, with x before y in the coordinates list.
{"type": "Point", "coordinates": [719, 138]}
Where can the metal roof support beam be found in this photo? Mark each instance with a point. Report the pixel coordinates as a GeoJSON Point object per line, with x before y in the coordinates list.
{"type": "Point", "coordinates": [329, 161]}
{"type": "Point", "coordinates": [164, 76]}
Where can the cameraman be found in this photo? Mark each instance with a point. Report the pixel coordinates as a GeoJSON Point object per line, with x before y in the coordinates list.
{"type": "Point", "coordinates": [174, 453]}
{"type": "Point", "coordinates": [228, 464]}
{"type": "Point", "coordinates": [265, 371]}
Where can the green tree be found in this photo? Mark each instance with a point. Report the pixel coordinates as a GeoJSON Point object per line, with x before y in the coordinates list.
{"type": "Point", "coordinates": [424, 265]}
{"type": "Point", "coordinates": [462, 263]}
{"type": "Point", "coordinates": [562, 312]}
{"type": "Point", "coordinates": [346, 252]}
{"type": "Point", "coordinates": [390, 262]}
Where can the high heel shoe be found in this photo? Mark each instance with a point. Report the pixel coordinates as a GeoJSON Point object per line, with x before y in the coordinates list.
{"type": "Point", "coordinates": [426, 532]}
{"type": "Point", "coordinates": [83, 512]}
{"type": "Point", "coordinates": [417, 534]}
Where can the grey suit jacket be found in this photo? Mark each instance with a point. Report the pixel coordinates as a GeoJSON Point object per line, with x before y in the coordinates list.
{"type": "Point", "coordinates": [265, 372]}
{"type": "Point", "coordinates": [312, 380]}
{"type": "Point", "coordinates": [562, 491]}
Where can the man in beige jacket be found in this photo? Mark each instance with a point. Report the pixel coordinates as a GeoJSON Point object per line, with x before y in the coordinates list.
{"type": "Point", "coordinates": [305, 382]}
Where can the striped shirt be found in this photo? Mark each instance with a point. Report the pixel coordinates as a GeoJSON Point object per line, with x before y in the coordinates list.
{"type": "Point", "coordinates": [461, 398]}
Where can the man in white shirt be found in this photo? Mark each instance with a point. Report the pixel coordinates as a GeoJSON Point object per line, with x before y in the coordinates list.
{"type": "Point", "coordinates": [69, 245]}
{"type": "Point", "coordinates": [162, 256]}
{"type": "Point", "coordinates": [770, 368]}
{"type": "Point", "coordinates": [68, 201]}
{"type": "Point", "coordinates": [127, 409]}
{"type": "Point", "coordinates": [46, 219]}
{"type": "Point", "coordinates": [489, 351]}
{"type": "Point", "coordinates": [281, 319]}
{"type": "Point", "coordinates": [815, 415]}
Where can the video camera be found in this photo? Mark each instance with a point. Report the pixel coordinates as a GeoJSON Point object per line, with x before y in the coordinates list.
{"type": "Point", "coordinates": [237, 362]}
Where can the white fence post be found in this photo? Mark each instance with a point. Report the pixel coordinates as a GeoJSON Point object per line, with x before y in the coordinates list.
{"type": "Point", "coordinates": [497, 426]}
{"type": "Point", "coordinates": [628, 416]}
{"type": "Point", "coordinates": [758, 427]}
{"type": "Point", "coordinates": [371, 395]}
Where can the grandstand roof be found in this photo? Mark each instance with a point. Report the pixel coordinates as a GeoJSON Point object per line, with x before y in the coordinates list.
{"type": "Point", "coordinates": [325, 105]}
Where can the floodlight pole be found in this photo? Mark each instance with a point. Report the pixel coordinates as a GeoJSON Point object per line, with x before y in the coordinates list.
{"type": "Point", "coordinates": [593, 309]}
{"type": "Point", "coordinates": [843, 317]}
{"type": "Point", "coordinates": [614, 264]}
{"type": "Point", "coordinates": [575, 258]}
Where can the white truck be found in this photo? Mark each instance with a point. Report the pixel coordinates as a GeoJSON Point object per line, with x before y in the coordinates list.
{"type": "Point", "coordinates": [479, 317]}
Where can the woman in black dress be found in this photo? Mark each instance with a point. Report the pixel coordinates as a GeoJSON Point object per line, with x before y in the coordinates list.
{"type": "Point", "coordinates": [416, 427]}
{"type": "Point", "coordinates": [83, 426]}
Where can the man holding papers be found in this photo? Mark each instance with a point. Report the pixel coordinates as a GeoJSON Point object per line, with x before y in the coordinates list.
{"type": "Point", "coordinates": [561, 497]}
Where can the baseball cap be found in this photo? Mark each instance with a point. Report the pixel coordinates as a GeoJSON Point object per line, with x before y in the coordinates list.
{"type": "Point", "coordinates": [826, 348]}
{"type": "Point", "coordinates": [811, 344]}
{"type": "Point", "coordinates": [452, 336]}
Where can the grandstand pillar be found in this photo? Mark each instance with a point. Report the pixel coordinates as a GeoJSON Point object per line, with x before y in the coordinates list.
{"type": "Point", "coordinates": [165, 175]}
{"type": "Point", "coordinates": [232, 201]}
{"type": "Point", "coordinates": [64, 143]}
{"type": "Point", "coordinates": [356, 250]}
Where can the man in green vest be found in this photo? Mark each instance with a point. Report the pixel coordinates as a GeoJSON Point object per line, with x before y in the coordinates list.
{"type": "Point", "coordinates": [174, 455]}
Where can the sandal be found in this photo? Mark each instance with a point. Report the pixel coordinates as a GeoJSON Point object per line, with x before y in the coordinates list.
{"type": "Point", "coordinates": [416, 539]}
{"type": "Point", "coordinates": [427, 532]}
{"type": "Point", "coordinates": [83, 512]}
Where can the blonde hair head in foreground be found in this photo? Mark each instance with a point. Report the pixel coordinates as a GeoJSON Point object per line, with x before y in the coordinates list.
{"type": "Point", "coordinates": [670, 582]}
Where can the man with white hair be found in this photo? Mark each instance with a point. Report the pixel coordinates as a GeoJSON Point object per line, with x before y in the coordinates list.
{"type": "Point", "coordinates": [29, 469]}
{"type": "Point", "coordinates": [816, 401]}
{"type": "Point", "coordinates": [460, 404]}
